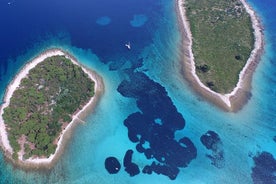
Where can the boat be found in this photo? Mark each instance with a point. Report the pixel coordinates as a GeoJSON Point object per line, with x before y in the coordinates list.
{"type": "Point", "coordinates": [128, 45]}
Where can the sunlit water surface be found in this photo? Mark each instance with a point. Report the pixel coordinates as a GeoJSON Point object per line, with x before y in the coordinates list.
{"type": "Point", "coordinates": [95, 33]}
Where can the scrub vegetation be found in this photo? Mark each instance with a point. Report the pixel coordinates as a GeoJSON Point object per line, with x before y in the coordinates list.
{"type": "Point", "coordinates": [43, 105]}
{"type": "Point", "coordinates": [222, 41]}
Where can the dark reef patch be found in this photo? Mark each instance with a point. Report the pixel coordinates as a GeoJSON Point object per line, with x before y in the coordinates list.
{"type": "Point", "coordinates": [112, 165]}
{"type": "Point", "coordinates": [171, 172]}
{"type": "Point", "coordinates": [274, 139]}
{"type": "Point", "coordinates": [138, 63]}
{"type": "Point", "coordinates": [116, 65]}
{"type": "Point", "coordinates": [265, 169]}
{"type": "Point", "coordinates": [131, 168]}
{"type": "Point", "coordinates": [156, 123]}
{"type": "Point", "coordinates": [212, 141]}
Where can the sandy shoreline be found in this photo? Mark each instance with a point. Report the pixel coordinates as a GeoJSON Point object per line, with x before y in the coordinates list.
{"type": "Point", "coordinates": [239, 96]}
{"type": "Point", "coordinates": [35, 162]}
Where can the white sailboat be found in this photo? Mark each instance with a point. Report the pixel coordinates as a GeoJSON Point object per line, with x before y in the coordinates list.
{"type": "Point", "coordinates": [128, 45]}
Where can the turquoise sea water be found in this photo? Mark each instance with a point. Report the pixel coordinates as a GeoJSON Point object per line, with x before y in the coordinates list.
{"type": "Point", "coordinates": [95, 32]}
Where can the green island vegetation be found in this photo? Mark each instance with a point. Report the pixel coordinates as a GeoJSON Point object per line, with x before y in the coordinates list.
{"type": "Point", "coordinates": [44, 103]}
{"type": "Point", "coordinates": [222, 41]}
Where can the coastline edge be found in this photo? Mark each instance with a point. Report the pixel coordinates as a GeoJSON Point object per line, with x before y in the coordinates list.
{"type": "Point", "coordinates": [239, 96]}
{"type": "Point", "coordinates": [65, 134]}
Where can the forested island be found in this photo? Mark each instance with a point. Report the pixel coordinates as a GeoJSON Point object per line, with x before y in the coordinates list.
{"type": "Point", "coordinates": [222, 45]}
{"type": "Point", "coordinates": [43, 104]}
{"type": "Point", "coordinates": [222, 41]}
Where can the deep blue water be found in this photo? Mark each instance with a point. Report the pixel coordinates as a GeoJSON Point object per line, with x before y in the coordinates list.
{"type": "Point", "coordinates": [149, 118]}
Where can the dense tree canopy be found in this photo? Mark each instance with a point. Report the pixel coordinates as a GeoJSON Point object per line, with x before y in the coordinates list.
{"type": "Point", "coordinates": [45, 100]}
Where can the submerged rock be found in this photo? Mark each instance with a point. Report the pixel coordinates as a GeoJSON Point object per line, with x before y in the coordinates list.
{"type": "Point", "coordinates": [138, 20]}
{"type": "Point", "coordinates": [153, 127]}
{"type": "Point", "coordinates": [171, 172]}
{"type": "Point", "coordinates": [103, 21]}
{"type": "Point", "coordinates": [112, 165]}
{"type": "Point", "coordinates": [212, 141]}
{"type": "Point", "coordinates": [264, 169]}
{"type": "Point", "coordinates": [131, 168]}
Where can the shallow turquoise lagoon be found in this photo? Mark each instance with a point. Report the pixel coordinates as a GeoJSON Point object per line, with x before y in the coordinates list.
{"type": "Point", "coordinates": [244, 140]}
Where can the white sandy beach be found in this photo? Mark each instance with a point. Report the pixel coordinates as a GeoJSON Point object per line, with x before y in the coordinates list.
{"type": "Point", "coordinates": [13, 86]}
{"type": "Point", "coordinates": [255, 54]}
